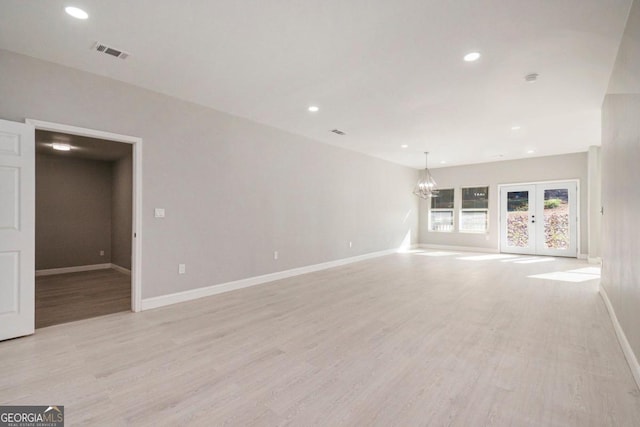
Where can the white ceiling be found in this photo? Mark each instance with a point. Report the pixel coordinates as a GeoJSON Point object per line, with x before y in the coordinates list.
{"type": "Point", "coordinates": [385, 72]}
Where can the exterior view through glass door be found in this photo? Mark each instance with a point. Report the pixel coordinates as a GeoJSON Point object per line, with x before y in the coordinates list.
{"type": "Point", "coordinates": [539, 219]}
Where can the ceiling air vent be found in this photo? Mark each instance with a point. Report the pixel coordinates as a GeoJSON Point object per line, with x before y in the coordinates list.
{"type": "Point", "coordinates": [108, 50]}
{"type": "Point", "coordinates": [338, 132]}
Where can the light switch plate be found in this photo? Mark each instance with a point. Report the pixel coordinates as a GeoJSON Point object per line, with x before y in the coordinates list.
{"type": "Point", "coordinates": [159, 213]}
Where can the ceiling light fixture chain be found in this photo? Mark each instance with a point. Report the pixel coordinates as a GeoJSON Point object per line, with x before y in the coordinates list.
{"type": "Point", "coordinates": [426, 186]}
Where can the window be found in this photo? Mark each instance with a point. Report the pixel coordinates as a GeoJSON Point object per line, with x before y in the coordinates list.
{"type": "Point", "coordinates": [441, 214]}
{"type": "Point", "coordinates": [474, 215]}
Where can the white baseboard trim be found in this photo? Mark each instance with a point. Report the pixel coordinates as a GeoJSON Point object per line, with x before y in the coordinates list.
{"type": "Point", "coordinates": [595, 260]}
{"type": "Point", "coordinates": [582, 256]}
{"type": "Point", "coordinates": [459, 248]}
{"type": "Point", "coordinates": [163, 300]}
{"type": "Point", "coordinates": [622, 338]}
{"type": "Point", "coordinates": [120, 269]}
{"type": "Point", "coordinates": [62, 270]}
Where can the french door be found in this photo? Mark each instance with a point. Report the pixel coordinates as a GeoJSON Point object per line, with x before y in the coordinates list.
{"type": "Point", "coordinates": [539, 219]}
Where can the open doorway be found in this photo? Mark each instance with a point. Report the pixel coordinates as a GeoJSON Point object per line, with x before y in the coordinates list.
{"type": "Point", "coordinates": [84, 227]}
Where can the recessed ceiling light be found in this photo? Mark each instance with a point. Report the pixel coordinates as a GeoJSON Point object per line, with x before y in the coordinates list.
{"type": "Point", "coordinates": [61, 147]}
{"type": "Point", "coordinates": [404, 146]}
{"type": "Point", "coordinates": [314, 108]}
{"type": "Point", "coordinates": [472, 56]}
{"type": "Point", "coordinates": [516, 127]}
{"type": "Point", "coordinates": [76, 12]}
{"type": "Point", "coordinates": [530, 151]}
{"type": "Point", "coordinates": [442, 162]}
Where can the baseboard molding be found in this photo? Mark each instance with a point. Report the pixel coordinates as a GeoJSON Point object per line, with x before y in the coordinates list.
{"type": "Point", "coordinates": [582, 256]}
{"type": "Point", "coordinates": [62, 270]}
{"type": "Point", "coordinates": [595, 260]}
{"type": "Point", "coordinates": [459, 248]}
{"type": "Point", "coordinates": [622, 338]}
{"type": "Point", "coordinates": [120, 269]}
{"type": "Point", "coordinates": [164, 300]}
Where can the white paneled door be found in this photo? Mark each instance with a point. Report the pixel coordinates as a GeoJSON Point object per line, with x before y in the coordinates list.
{"type": "Point", "coordinates": [17, 229]}
{"type": "Point", "coordinates": [539, 219]}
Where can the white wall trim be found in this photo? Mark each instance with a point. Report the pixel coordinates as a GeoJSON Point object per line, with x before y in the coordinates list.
{"type": "Point", "coordinates": [459, 248]}
{"type": "Point", "coordinates": [622, 338]}
{"type": "Point", "coordinates": [92, 133]}
{"type": "Point", "coordinates": [136, 238]}
{"type": "Point", "coordinates": [594, 260]}
{"type": "Point", "coordinates": [163, 300]}
{"type": "Point", "coordinates": [75, 269]}
{"type": "Point", "coordinates": [582, 256]}
{"type": "Point", "coordinates": [120, 269]}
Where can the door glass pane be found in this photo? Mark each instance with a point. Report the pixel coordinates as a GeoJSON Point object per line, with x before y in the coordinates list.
{"type": "Point", "coordinates": [518, 219]}
{"type": "Point", "coordinates": [556, 218]}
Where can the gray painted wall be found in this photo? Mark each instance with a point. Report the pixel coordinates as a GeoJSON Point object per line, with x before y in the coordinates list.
{"type": "Point", "coordinates": [73, 212]}
{"type": "Point", "coordinates": [121, 211]}
{"type": "Point", "coordinates": [234, 190]}
{"type": "Point", "coordinates": [550, 168]}
{"type": "Point", "coordinates": [620, 178]}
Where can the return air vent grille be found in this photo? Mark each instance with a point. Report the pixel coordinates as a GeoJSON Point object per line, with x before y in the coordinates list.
{"type": "Point", "coordinates": [108, 50]}
{"type": "Point", "coordinates": [338, 132]}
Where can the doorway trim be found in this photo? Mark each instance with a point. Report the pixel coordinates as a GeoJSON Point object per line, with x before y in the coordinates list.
{"type": "Point", "coordinates": [136, 238]}
{"type": "Point", "coordinates": [578, 213]}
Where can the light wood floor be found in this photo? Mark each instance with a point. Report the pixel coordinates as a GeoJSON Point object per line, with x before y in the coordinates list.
{"type": "Point", "coordinates": [405, 340]}
{"type": "Point", "coordinates": [63, 298]}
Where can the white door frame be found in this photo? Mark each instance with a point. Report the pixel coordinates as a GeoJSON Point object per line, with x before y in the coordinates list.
{"type": "Point", "coordinates": [578, 226]}
{"type": "Point", "coordinates": [136, 240]}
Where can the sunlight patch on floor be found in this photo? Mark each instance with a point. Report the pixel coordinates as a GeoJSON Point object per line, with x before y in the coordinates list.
{"type": "Point", "coordinates": [439, 253]}
{"type": "Point", "coordinates": [587, 270]}
{"type": "Point", "coordinates": [565, 276]}
{"type": "Point", "coordinates": [516, 259]}
{"type": "Point", "coordinates": [487, 257]}
{"type": "Point", "coordinates": [534, 260]}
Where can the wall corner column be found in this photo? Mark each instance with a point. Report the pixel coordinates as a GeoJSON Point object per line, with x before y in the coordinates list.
{"type": "Point", "coordinates": [594, 214]}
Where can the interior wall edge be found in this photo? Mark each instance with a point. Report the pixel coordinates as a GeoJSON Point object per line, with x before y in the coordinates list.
{"type": "Point", "coordinates": [120, 268]}
{"type": "Point", "coordinates": [75, 269]}
{"type": "Point", "coordinates": [622, 338]}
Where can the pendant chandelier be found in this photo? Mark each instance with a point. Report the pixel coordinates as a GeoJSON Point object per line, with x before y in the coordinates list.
{"type": "Point", "coordinates": [426, 185]}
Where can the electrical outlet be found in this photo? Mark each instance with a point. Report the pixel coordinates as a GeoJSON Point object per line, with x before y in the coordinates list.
{"type": "Point", "coordinates": [101, 253]}
{"type": "Point", "coordinates": [275, 254]}
{"type": "Point", "coordinates": [182, 268]}
{"type": "Point", "coordinates": [158, 212]}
